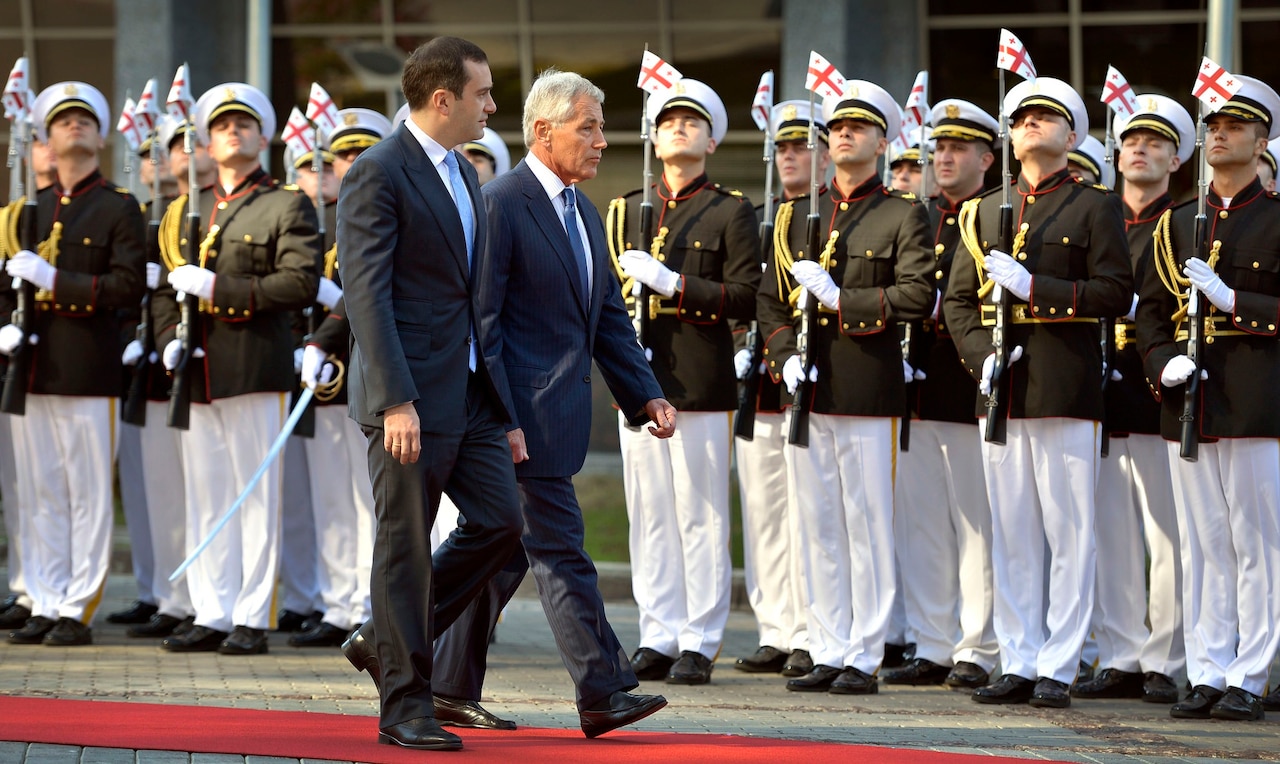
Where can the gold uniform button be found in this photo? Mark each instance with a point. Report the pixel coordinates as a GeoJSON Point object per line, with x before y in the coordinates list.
{"type": "Point", "coordinates": [939, 249]}
{"type": "Point", "coordinates": [1066, 239]}
{"type": "Point", "coordinates": [73, 309]}
{"type": "Point", "coordinates": [1071, 311]}
{"type": "Point", "coordinates": [1053, 311]}
{"type": "Point", "coordinates": [766, 351]}
{"type": "Point", "coordinates": [183, 242]}
{"type": "Point", "coordinates": [213, 253]}
{"type": "Point", "coordinates": [698, 313]}
{"type": "Point", "coordinates": [1031, 200]}
{"type": "Point", "coordinates": [844, 206]}
{"type": "Point", "coordinates": [713, 316]}
{"type": "Point", "coordinates": [1022, 255]}
{"type": "Point", "coordinates": [1024, 226]}
{"type": "Point", "coordinates": [65, 200]}
{"type": "Point", "coordinates": [879, 323]}
{"type": "Point", "coordinates": [1254, 324]}
{"type": "Point", "coordinates": [1256, 265]}
{"type": "Point", "coordinates": [823, 322]}
{"type": "Point", "coordinates": [1222, 214]}
{"type": "Point", "coordinates": [845, 326]}
{"type": "Point", "coordinates": [951, 221]}
{"type": "Point", "coordinates": [1271, 327]}
{"type": "Point", "coordinates": [216, 310]}
{"type": "Point", "coordinates": [222, 205]}
{"type": "Point", "coordinates": [870, 253]}
{"type": "Point", "coordinates": [697, 245]}
{"type": "Point", "coordinates": [1238, 319]}
{"type": "Point", "coordinates": [87, 241]}
{"type": "Point", "coordinates": [938, 274]}
{"type": "Point", "coordinates": [248, 237]}
{"type": "Point", "coordinates": [862, 324]}
{"type": "Point", "coordinates": [231, 311]}
{"type": "Point", "coordinates": [671, 205]}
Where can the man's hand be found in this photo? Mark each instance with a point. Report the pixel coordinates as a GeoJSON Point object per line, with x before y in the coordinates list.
{"type": "Point", "coordinates": [192, 279]}
{"type": "Point", "coordinates": [132, 353]}
{"type": "Point", "coordinates": [1178, 370]}
{"type": "Point", "coordinates": [328, 293]}
{"type": "Point", "coordinates": [173, 353]}
{"type": "Point", "coordinates": [153, 275]}
{"type": "Point", "coordinates": [910, 375]}
{"type": "Point", "coordinates": [663, 415]}
{"type": "Point", "coordinates": [742, 363]}
{"type": "Point", "coordinates": [793, 373]}
{"type": "Point", "coordinates": [1008, 273]}
{"type": "Point", "coordinates": [1133, 310]}
{"type": "Point", "coordinates": [642, 267]}
{"type": "Point", "coordinates": [817, 282]}
{"type": "Point", "coordinates": [519, 451]}
{"type": "Point", "coordinates": [1211, 284]}
{"type": "Point", "coordinates": [315, 367]}
{"type": "Point", "coordinates": [32, 268]}
{"type": "Point", "coordinates": [402, 434]}
{"type": "Point", "coordinates": [11, 338]}
{"type": "Point", "coordinates": [989, 366]}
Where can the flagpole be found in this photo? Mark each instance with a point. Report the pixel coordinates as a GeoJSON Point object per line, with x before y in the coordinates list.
{"type": "Point", "coordinates": [923, 159]}
{"type": "Point", "coordinates": [997, 409]}
{"type": "Point", "coordinates": [640, 294]}
{"type": "Point", "coordinates": [798, 432]}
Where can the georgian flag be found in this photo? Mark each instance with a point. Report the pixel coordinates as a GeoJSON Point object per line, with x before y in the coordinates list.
{"type": "Point", "coordinates": [297, 133]}
{"type": "Point", "coordinates": [763, 102]}
{"type": "Point", "coordinates": [128, 126]}
{"type": "Point", "coordinates": [17, 101]}
{"type": "Point", "coordinates": [1117, 94]}
{"type": "Point", "coordinates": [823, 78]}
{"type": "Point", "coordinates": [1013, 56]}
{"type": "Point", "coordinates": [917, 103]}
{"type": "Point", "coordinates": [320, 110]}
{"type": "Point", "coordinates": [910, 130]}
{"type": "Point", "coordinates": [147, 112]}
{"type": "Point", "coordinates": [1215, 85]}
{"type": "Point", "coordinates": [656, 75]}
{"type": "Point", "coordinates": [180, 104]}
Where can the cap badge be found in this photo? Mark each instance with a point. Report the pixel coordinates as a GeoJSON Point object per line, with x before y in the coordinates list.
{"type": "Point", "coordinates": [229, 95]}
{"type": "Point", "coordinates": [788, 113]}
{"type": "Point", "coordinates": [350, 120]}
{"type": "Point", "coordinates": [953, 111]}
{"type": "Point", "coordinates": [1153, 105]}
{"type": "Point", "coordinates": [679, 88]}
{"type": "Point", "coordinates": [71, 89]}
{"type": "Point", "coordinates": [852, 91]}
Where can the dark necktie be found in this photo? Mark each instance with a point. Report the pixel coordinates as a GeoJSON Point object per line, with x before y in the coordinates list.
{"type": "Point", "coordinates": [575, 239]}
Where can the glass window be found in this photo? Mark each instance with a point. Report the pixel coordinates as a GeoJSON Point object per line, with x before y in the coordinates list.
{"type": "Point", "coordinates": [720, 10]}
{"type": "Point", "coordinates": [963, 62]}
{"type": "Point", "coordinates": [1132, 50]}
{"type": "Point", "coordinates": [1258, 48]}
{"type": "Point", "coordinates": [425, 11]}
{"type": "Point", "coordinates": [613, 11]}
{"type": "Point", "coordinates": [1138, 6]}
{"type": "Point", "coordinates": [993, 7]}
{"type": "Point", "coordinates": [328, 11]}
{"type": "Point", "coordinates": [73, 13]}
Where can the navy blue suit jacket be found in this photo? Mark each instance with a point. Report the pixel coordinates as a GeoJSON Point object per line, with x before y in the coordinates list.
{"type": "Point", "coordinates": [549, 333]}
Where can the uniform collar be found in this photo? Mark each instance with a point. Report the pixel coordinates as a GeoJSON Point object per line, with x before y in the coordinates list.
{"type": "Point", "coordinates": [92, 179]}
{"type": "Point", "coordinates": [868, 186]}
{"type": "Point", "coordinates": [1248, 194]}
{"type": "Point", "coordinates": [944, 203]}
{"type": "Point", "coordinates": [1049, 183]}
{"type": "Point", "coordinates": [696, 185]}
{"type": "Point", "coordinates": [1150, 212]}
{"type": "Point", "coordinates": [255, 178]}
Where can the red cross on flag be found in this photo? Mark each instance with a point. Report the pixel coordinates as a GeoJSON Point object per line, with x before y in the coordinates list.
{"type": "Point", "coordinates": [656, 75]}
{"type": "Point", "coordinates": [1117, 94]}
{"type": "Point", "coordinates": [16, 102]}
{"type": "Point", "coordinates": [297, 134]}
{"type": "Point", "coordinates": [763, 103]}
{"type": "Point", "coordinates": [917, 103]}
{"type": "Point", "coordinates": [1215, 85]}
{"type": "Point", "coordinates": [180, 104]}
{"type": "Point", "coordinates": [147, 112]}
{"type": "Point", "coordinates": [1013, 56]}
{"type": "Point", "coordinates": [320, 109]}
{"type": "Point", "coordinates": [128, 126]}
{"type": "Point", "coordinates": [823, 77]}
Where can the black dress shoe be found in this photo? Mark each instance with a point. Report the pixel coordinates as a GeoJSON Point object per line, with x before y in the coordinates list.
{"type": "Point", "coordinates": [455, 712]}
{"type": "Point", "coordinates": [1008, 689]}
{"type": "Point", "coordinates": [818, 679]}
{"type": "Point", "coordinates": [798, 664]}
{"type": "Point", "coordinates": [1238, 705]}
{"type": "Point", "coordinates": [765, 660]}
{"type": "Point", "coordinates": [650, 664]}
{"type": "Point", "coordinates": [33, 631]}
{"type": "Point", "coordinates": [244, 641]}
{"type": "Point", "coordinates": [1158, 688]}
{"type": "Point", "coordinates": [1050, 693]}
{"type": "Point", "coordinates": [14, 616]}
{"type": "Point", "coordinates": [200, 639]}
{"type": "Point", "coordinates": [1111, 683]}
{"type": "Point", "coordinates": [917, 671]}
{"type": "Point", "coordinates": [1084, 672]}
{"type": "Point", "coordinates": [185, 625]}
{"type": "Point", "coordinates": [618, 710]}
{"type": "Point", "coordinates": [291, 621]}
{"type": "Point", "coordinates": [420, 734]}
{"type": "Point", "coordinates": [894, 655]}
{"type": "Point", "coordinates": [1197, 704]}
{"type": "Point", "coordinates": [967, 676]}
{"type": "Point", "coordinates": [138, 612]}
{"type": "Point", "coordinates": [68, 632]}
{"type": "Point", "coordinates": [323, 635]}
{"type": "Point", "coordinates": [361, 654]}
{"type": "Point", "coordinates": [691, 668]}
{"type": "Point", "coordinates": [160, 625]}
{"type": "Point", "coordinates": [1271, 702]}
{"type": "Point", "coordinates": [852, 681]}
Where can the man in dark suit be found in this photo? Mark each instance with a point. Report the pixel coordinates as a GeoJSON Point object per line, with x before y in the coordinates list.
{"type": "Point", "coordinates": [411, 237]}
{"type": "Point", "coordinates": [556, 306]}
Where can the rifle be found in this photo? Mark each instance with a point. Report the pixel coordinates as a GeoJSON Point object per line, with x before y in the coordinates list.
{"type": "Point", "coordinates": [1107, 326]}
{"type": "Point", "coordinates": [802, 403]}
{"type": "Point", "coordinates": [904, 434]}
{"type": "Point", "coordinates": [13, 400]}
{"type": "Point", "coordinates": [1189, 446]}
{"type": "Point", "coordinates": [189, 305]}
{"type": "Point", "coordinates": [641, 293]}
{"type": "Point", "coordinates": [306, 426]}
{"type": "Point", "coordinates": [996, 404]}
{"type": "Point", "coordinates": [744, 426]}
{"type": "Point", "coordinates": [134, 408]}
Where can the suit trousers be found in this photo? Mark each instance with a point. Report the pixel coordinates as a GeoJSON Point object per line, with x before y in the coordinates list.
{"type": "Point", "coordinates": [161, 447]}
{"type": "Point", "coordinates": [678, 505]}
{"type": "Point", "coordinates": [133, 500]}
{"type": "Point", "coordinates": [233, 582]}
{"type": "Point", "coordinates": [1041, 486]}
{"type": "Point", "coordinates": [299, 564]}
{"type": "Point", "coordinates": [771, 535]}
{"type": "Point", "coordinates": [844, 491]}
{"type": "Point", "coordinates": [1231, 497]}
{"type": "Point", "coordinates": [942, 529]}
{"type": "Point", "coordinates": [342, 500]}
{"type": "Point", "coordinates": [1135, 500]}
{"type": "Point", "coordinates": [12, 513]}
{"type": "Point", "coordinates": [567, 585]}
{"type": "Point", "coordinates": [64, 448]}
{"type": "Point", "coordinates": [416, 594]}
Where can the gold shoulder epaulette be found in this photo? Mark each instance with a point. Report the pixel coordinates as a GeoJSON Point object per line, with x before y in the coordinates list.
{"type": "Point", "coordinates": [122, 190]}
{"type": "Point", "coordinates": [291, 187]}
{"type": "Point", "coordinates": [727, 191]}
{"type": "Point", "coordinates": [171, 234]}
{"type": "Point", "coordinates": [9, 215]}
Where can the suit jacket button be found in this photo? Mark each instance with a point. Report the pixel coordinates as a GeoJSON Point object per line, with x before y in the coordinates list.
{"type": "Point", "coordinates": [587, 379]}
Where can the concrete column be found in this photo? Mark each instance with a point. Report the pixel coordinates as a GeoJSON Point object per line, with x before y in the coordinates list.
{"type": "Point", "coordinates": [868, 41]}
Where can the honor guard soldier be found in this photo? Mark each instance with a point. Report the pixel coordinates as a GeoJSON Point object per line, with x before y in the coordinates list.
{"type": "Point", "coordinates": [1228, 495]}
{"type": "Point", "coordinates": [256, 263]}
{"type": "Point", "coordinates": [1068, 267]}
{"type": "Point", "coordinates": [1267, 169]}
{"type": "Point", "coordinates": [943, 526]}
{"type": "Point", "coordinates": [489, 155]}
{"type": "Point", "coordinates": [1135, 495]}
{"type": "Point", "coordinates": [1087, 161]}
{"type": "Point", "coordinates": [770, 522]}
{"type": "Point", "coordinates": [702, 268]}
{"type": "Point", "coordinates": [340, 488]}
{"type": "Point", "coordinates": [873, 270]}
{"type": "Point", "coordinates": [87, 267]}
{"type": "Point", "coordinates": [904, 168]}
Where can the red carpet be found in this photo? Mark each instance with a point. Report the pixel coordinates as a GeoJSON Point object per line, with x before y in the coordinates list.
{"type": "Point", "coordinates": [298, 734]}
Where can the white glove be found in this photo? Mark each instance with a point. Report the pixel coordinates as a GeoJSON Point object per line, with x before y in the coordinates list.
{"type": "Point", "coordinates": [1179, 370]}
{"type": "Point", "coordinates": [153, 275]}
{"type": "Point", "coordinates": [1116, 376]}
{"type": "Point", "coordinates": [1133, 310]}
{"type": "Point", "coordinates": [173, 353]}
{"type": "Point", "coordinates": [642, 267]}
{"type": "Point", "coordinates": [132, 353]}
{"type": "Point", "coordinates": [32, 268]}
{"type": "Point", "coordinates": [989, 365]}
{"type": "Point", "coordinates": [817, 282]}
{"type": "Point", "coordinates": [1210, 283]}
{"type": "Point", "coordinates": [297, 360]}
{"type": "Point", "coordinates": [192, 279]}
{"type": "Point", "coordinates": [793, 372]}
{"type": "Point", "coordinates": [1008, 273]}
{"type": "Point", "coordinates": [910, 375]}
{"type": "Point", "coordinates": [937, 306]}
{"type": "Point", "coordinates": [314, 366]}
{"type": "Point", "coordinates": [11, 338]}
{"type": "Point", "coordinates": [329, 292]}
{"type": "Point", "coordinates": [742, 363]}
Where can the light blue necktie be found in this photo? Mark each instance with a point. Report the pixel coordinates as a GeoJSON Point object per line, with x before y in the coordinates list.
{"type": "Point", "coordinates": [575, 239]}
{"type": "Point", "coordinates": [463, 200]}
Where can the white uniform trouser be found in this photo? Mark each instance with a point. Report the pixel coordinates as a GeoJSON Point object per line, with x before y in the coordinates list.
{"type": "Point", "coordinates": [677, 493]}
{"type": "Point", "coordinates": [12, 512]}
{"type": "Point", "coordinates": [942, 525]}
{"type": "Point", "coordinates": [446, 521]}
{"type": "Point", "coordinates": [166, 508]}
{"type": "Point", "coordinates": [343, 501]}
{"type": "Point", "coordinates": [771, 535]}
{"type": "Point", "coordinates": [1041, 487]}
{"type": "Point", "coordinates": [233, 582]}
{"type": "Point", "coordinates": [133, 500]}
{"type": "Point", "coordinates": [1230, 497]}
{"type": "Point", "coordinates": [844, 491]}
{"type": "Point", "coordinates": [64, 450]}
{"type": "Point", "coordinates": [299, 565]}
{"type": "Point", "coordinates": [1135, 499]}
